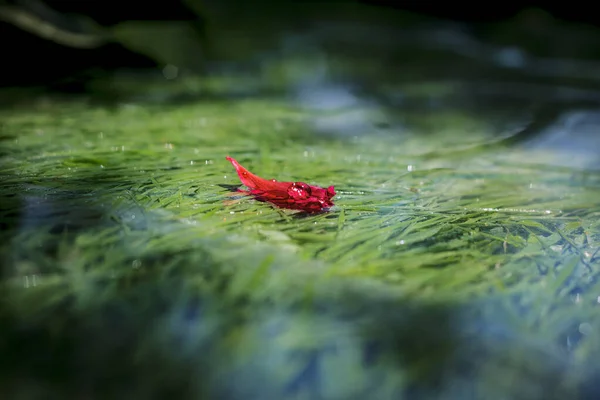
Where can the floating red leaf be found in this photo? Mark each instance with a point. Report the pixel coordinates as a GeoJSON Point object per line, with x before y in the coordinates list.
{"type": "Point", "coordinates": [292, 195]}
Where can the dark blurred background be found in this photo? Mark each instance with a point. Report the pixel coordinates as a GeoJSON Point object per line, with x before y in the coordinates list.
{"type": "Point", "coordinates": [62, 43]}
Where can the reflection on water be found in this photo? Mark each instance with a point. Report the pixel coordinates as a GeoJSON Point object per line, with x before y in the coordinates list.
{"type": "Point", "coordinates": [574, 139]}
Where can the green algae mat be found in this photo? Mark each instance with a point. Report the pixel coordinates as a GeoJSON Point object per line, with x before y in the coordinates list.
{"type": "Point", "coordinates": [453, 265]}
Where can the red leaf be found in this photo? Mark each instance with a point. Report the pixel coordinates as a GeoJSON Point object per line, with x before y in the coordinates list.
{"type": "Point", "coordinates": [292, 195]}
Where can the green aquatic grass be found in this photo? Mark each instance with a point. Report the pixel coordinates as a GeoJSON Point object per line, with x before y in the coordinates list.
{"type": "Point", "coordinates": [121, 218]}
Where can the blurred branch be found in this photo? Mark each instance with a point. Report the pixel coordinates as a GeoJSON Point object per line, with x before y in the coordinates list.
{"type": "Point", "coordinates": [47, 29]}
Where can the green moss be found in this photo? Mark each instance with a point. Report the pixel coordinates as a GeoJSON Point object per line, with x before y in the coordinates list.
{"type": "Point", "coordinates": [115, 219]}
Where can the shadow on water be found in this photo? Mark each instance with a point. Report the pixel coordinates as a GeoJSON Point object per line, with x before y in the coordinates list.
{"type": "Point", "coordinates": [229, 188]}
{"type": "Point", "coordinates": [130, 346]}
{"type": "Point", "coordinates": [56, 344]}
